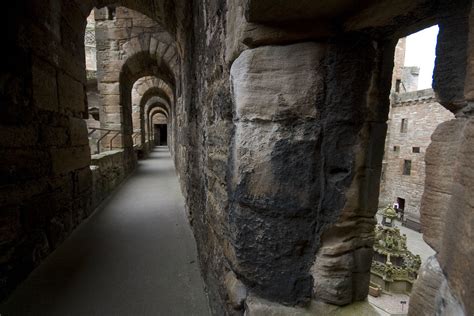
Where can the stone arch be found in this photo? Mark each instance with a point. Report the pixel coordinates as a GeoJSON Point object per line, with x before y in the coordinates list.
{"type": "Point", "coordinates": [159, 118]}
{"type": "Point", "coordinates": [43, 96]}
{"type": "Point", "coordinates": [151, 102]}
{"type": "Point", "coordinates": [158, 10]}
{"type": "Point", "coordinates": [145, 90]}
{"type": "Point", "coordinates": [139, 65]}
{"type": "Point", "coordinates": [158, 107]}
{"type": "Point", "coordinates": [131, 53]}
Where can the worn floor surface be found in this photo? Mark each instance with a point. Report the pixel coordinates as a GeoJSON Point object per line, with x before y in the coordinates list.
{"type": "Point", "coordinates": [135, 256]}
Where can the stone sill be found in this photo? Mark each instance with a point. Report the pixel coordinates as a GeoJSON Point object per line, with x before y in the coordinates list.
{"type": "Point", "coordinates": [105, 155]}
{"type": "Point", "coordinates": [256, 306]}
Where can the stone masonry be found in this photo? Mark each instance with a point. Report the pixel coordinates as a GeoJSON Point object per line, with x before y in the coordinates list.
{"type": "Point", "coordinates": [276, 122]}
{"type": "Point", "coordinates": [421, 114]}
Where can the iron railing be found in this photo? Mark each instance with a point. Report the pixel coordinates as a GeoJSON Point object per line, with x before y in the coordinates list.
{"type": "Point", "coordinates": [134, 137]}
{"type": "Point", "coordinates": [106, 131]}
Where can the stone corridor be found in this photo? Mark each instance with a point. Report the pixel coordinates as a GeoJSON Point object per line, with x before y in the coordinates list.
{"type": "Point", "coordinates": [136, 255]}
{"type": "Point", "coordinates": [275, 116]}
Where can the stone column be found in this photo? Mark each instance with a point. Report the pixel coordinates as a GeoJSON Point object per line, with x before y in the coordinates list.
{"type": "Point", "coordinates": [446, 283]}
{"type": "Point", "coordinates": [308, 144]}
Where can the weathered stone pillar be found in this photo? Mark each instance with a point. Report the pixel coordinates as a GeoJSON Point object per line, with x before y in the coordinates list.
{"type": "Point", "coordinates": [275, 185]}
{"type": "Point", "coordinates": [356, 110]}
{"type": "Point", "coordinates": [446, 283]}
{"type": "Point", "coordinates": [308, 145]}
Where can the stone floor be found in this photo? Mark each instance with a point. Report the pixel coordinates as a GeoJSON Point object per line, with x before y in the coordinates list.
{"type": "Point", "coordinates": [135, 256]}
{"type": "Point", "coordinates": [388, 302]}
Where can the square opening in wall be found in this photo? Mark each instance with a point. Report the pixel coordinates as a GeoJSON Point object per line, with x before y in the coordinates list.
{"type": "Point", "coordinates": [406, 167]}
{"type": "Point", "coordinates": [404, 126]}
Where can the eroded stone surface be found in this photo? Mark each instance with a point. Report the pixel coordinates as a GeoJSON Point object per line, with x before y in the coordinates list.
{"type": "Point", "coordinates": [435, 201]}
{"type": "Point", "coordinates": [275, 92]}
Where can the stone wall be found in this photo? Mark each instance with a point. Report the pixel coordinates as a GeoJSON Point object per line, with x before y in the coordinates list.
{"type": "Point", "coordinates": [107, 174]}
{"type": "Point", "coordinates": [45, 187]}
{"type": "Point", "coordinates": [422, 114]}
{"type": "Point", "coordinates": [46, 181]}
{"type": "Point", "coordinates": [315, 126]}
{"type": "Point", "coordinates": [398, 63]}
{"type": "Point", "coordinates": [410, 79]}
{"type": "Point", "coordinates": [270, 239]}
{"type": "Point", "coordinates": [130, 46]}
{"type": "Point", "coordinates": [445, 286]}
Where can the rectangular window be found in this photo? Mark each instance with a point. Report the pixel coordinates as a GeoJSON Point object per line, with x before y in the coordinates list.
{"type": "Point", "coordinates": [404, 126]}
{"type": "Point", "coordinates": [396, 149]}
{"type": "Point", "coordinates": [407, 167]}
{"type": "Point", "coordinates": [110, 12]}
{"type": "Point", "coordinates": [416, 150]}
{"type": "Point", "coordinates": [398, 83]}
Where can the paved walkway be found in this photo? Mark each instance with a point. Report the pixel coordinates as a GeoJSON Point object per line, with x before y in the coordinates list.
{"type": "Point", "coordinates": [136, 256]}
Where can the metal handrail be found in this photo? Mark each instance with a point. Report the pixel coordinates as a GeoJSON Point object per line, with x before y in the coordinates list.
{"type": "Point", "coordinates": [134, 137]}
{"type": "Point", "coordinates": [108, 131]}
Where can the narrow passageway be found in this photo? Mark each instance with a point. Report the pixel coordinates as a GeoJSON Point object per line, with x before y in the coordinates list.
{"type": "Point", "coordinates": [135, 256]}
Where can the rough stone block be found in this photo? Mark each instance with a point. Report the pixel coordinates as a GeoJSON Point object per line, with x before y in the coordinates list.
{"type": "Point", "coordinates": [112, 108]}
{"type": "Point", "coordinates": [425, 289]}
{"type": "Point", "coordinates": [153, 45]}
{"type": "Point", "coordinates": [110, 71]}
{"type": "Point", "coordinates": [236, 291]}
{"type": "Point", "coordinates": [19, 164]}
{"type": "Point", "coordinates": [161, 50]}
{"type": "Point", "coordinates": [469, 80]}
{"type": "Point", "coordinates": [439, 180]}
{"type": "Point", "coordinates": [450, 66]}
{"type": "Point", "coordinates": [170, 53]}
{"type": "Point", "coordinates": [78, 132]}
{"type": "Point", "coordinates": [45, 91]}
{"type": "Point", "coordinates": [67, 159]}
{"type": "Point", "coordinates": [71, 94]}
{"type": "Point", "coordinates": [82, 181]}
{"type": "Point", "coordinates": [457, 250]}
{"type": "Point", "coordinates": [59, 228]}
{"type": "Point", "coordinates": [132, 47]}
{"type": "Point", "coordinates": [278, 82]}
{"type": "Point", "coordinates": [55, 136]}
{"type": "Point", "coordinates": [72, 65]}
{"type": "Point", "coordinates": [109, 88]}
{"type": "Point", "coordinates": [256, 306]}
{"type": "Point", "coordinates": [10, 227]}
{"type": "Point", "coordinates": [18, 136]}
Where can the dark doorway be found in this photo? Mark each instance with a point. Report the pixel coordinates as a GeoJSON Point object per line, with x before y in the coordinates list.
{"type": "Point", "coordinates": [401, 207]}
{"type": "Point", "coordinates": [161, 135]}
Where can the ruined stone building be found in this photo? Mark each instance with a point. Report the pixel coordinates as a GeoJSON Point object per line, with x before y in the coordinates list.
{"type": "Point", "coordinates": [275, 116]}
{"type": "Point", "coordinates": [413, 117]}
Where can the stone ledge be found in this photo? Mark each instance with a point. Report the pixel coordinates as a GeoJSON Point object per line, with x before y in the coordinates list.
{"type": "Point", "coordinates": [255, 306]}
{"type": "Point", "coordinates": [107, 173]}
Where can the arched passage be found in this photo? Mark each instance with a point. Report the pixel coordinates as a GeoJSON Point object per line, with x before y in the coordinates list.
{"type": "Point", "coordinates": [139, 65]}
{"type": "Point", "coordinates": [159, 108]}
{"type": "Point", "coordinates": [160, 130]}
{"type": "Point", "coordinates": [44, 96]}
{"type": "Point", "coordinates": [254, 122]}
{"type": "Point", "coordinates": [145, 91]}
